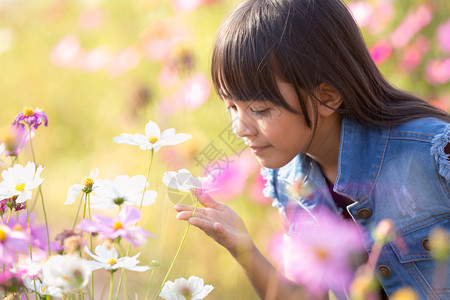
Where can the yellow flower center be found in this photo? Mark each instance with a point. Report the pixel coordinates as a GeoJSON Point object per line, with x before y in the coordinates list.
{"type": "Point", "coordinates": [117, 225]}
{"type": "Point", "coordinates": [2, 234]}
{"type": "Point", "coordinates": [17, 227]}
{"type": "Point", "coordinates": [88, 182]}
{"type": "Point", "coordinates": [20, 187]}
{"type": "Point", "coordinates": [111, 261]}
{"type": "Point", "coordinates": [186, 292]}
{"type": "Point", "coordinates": [322, 254]}
{"type": "Point", "coordinates": [28, 112]}
{"type": "Point", "coordinates": [152, 139]}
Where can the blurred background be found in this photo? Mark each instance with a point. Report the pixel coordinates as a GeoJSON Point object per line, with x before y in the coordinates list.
{"type": "Point", "coordinates": [100, 68]}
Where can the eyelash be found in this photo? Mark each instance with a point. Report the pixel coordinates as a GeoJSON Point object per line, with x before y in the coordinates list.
{"type": "Point", "coordinates": [256, 113]}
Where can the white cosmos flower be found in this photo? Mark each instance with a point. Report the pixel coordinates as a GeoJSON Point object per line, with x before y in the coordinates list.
{"type": "Point", "coordinates": [153, 138]}
{"type": "Point", "coordinates": [184, 181]}
{"type": "Point", "coordinates": [182, 289]}
{"type": "Point", "coordinates": [107, 258]}
{"type": "Point", "coordinates": [67, 272]}
{"type": "Point", "coordinates": [124, 190]}
{"type": "Point", "coordinates": [41, 288]}
{"type": "Point", "coordinates": [20, 181]}
{"type": "Point", "coordinates": [87, 186]}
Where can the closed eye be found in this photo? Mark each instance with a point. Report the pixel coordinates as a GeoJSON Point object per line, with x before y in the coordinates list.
{"type": "Point", "coordinates": [261, 113]}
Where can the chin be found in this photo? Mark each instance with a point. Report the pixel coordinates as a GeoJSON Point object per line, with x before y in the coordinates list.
{"type": "Point", "coordinates": [268, 161]}
{"type": "Point", "coordinates": [271, 164]}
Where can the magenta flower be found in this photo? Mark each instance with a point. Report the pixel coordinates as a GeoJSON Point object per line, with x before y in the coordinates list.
{"type": "Point", "coordinates": [380, 52]}
{"type": "Point", "coordinates": [123, 225]}
{"type": "Point", "coordinates": [443, 36]}
{"type": "Point", "coordinates": [14, 141]}
{"type": "Point", "coordinates": [32, 118]}
{"type": "Point", "coordinates": [320, 254]}
{"type": "Point", "coordinates": [413, 23]}
{"type": "Point", "coordinates": [438, 71]}
{"type": "Point", "coordinates": [37, 233]}
{"type": "Point", "coordinates": [10, 282]}
{"type": "Point", "coordinates": [11, 204]}
{"type": "Point", "coordinates": [11, 241]}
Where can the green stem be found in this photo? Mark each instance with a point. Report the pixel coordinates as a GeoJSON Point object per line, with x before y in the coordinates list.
{"type": "Point", "coordinates": [178, 252]}
{"type": "Point", "coordinates": [149, 283]}
{"type": "Point", "coordinates": [111, 286]}
{"type": "Point", "coordinates": [88, 196]}
{"type": "Point", "coordinates": [9, 216]}
{"type": "Point", "coordinates": [84, 207]}
{"type": "Point", "coordinates": [146, 178]}
{"type": "Point", "coordinates": [78, 212]}
{"type": "Point", "coordinates": [152, 152]}
{"type": "Point", "coordinates": [31, 252]}
{"type": "Point", "coordinates": [42, 196]}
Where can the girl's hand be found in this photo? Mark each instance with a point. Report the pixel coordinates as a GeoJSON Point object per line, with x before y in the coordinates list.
{"type": "Point", "coordinates": [219, 222]}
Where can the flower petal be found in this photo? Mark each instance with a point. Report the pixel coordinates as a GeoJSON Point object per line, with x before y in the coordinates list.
{"type": "Point", "coordinates": [152, 130]}
{"type": "Point", "coordinates": [175, 139]}
{"type": "Point", "coordinates": [74, 190]}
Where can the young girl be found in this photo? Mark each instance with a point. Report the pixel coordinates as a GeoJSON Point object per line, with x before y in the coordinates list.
{"type": "Point", "coordinates": [309, 101]}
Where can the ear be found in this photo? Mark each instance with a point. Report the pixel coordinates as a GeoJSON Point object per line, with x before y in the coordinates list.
{"type": "Point", "coordinates": [329, 99]}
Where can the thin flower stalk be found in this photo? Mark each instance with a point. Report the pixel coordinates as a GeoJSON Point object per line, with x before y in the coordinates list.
{"type": "Point", "coordinates": [78, 211]}
{"type": "Point", "coordinates": [152, 152]}
{"type": "Point", "coordinates": [31, 252]}
{"type": "Point", "coordinates": [41, 194]}
{"type": "Point", "coordinates": [178, 252]}
{"type": "Point", "coordinates": [149, 282]}
{"type": "Point", "coordinates": [111, 286]}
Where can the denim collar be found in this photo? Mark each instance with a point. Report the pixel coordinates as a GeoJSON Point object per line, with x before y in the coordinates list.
{"type": "Point", "coordinates": [361, 154]}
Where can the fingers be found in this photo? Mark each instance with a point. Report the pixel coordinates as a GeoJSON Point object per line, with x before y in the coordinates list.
{"type": "Point", "coordinates": [186, 215]}
{"type": "Point", "coordinates": [213, 229]}
{"type": "Point", "coordinates": [207, 201]}
{"type": "Point", "coordinates": [180, 207]}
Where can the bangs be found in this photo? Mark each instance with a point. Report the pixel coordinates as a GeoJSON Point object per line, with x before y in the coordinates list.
{"type": "Point", "coordinates": [244, 66]}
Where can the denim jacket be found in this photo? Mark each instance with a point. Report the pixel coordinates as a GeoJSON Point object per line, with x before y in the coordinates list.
{"type": "Point", "coordinates": [400, 173]}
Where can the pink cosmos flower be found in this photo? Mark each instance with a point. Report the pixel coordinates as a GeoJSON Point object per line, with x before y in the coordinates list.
{"type": "Point", "coordinates": [96, 59]}
{"type": "Point", "coordinates": [443, 36]}
{"type": "Point", "coordinates": [256, 191]}
{"type": "Point", "coordinates": [228, 182]}
{"type": "Point", "coordinates": [11, 241]}
{"type": "Point", "coordinates": [414, 53]}
{"type": "Point", "coordinates": [91, 18]}
{"type": "Point", "coordinates": [123, 225]}
{"type": "Point", "coordinates": [380, 52]}
{"type": "Point", "coordinates": [320, 252]}
{"type": "Point", "coordinates": [438, 71]}
{"type": "Point", "coordinates": [162, 38]}
{"type": "Point", "coordinates": [442, 102]}
{"type": "Point", "coordinates": [31, 117]}
{"type": "Point", "coordinates": [412, 24]}
{"type": "Point", "coordinates": [10, 282]}
{"type": "Point", "coordinates": [36, 233]}
{"type": "Point", "coordinates": [188, 5]}
{"type": "Point", "coordinates": [125, 60]}
{"type": "Point", "coordinates": [11, 204]}
{"type": "Point", "coordinates": [373, 15]}
{"type": "Point", "coordinates": [194, 92]}
{"type": "Point", "coordinates": [66, 52]}
{"type": "Point", "coordinates": [16, 139]}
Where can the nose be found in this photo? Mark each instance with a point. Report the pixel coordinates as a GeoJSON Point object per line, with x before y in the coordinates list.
{"type": "Point", "coordinates": [243, 127]}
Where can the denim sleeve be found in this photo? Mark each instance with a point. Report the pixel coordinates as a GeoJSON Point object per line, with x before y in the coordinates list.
{"type": "Point", "coordinates": [439, 144]}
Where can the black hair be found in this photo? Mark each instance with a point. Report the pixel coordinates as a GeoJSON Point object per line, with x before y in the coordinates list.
{"type": "Point", "coordinates": [306, 43]}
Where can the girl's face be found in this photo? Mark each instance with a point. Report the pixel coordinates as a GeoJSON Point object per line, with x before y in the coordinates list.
{"type": "Point", "coordinates": [274, 134]}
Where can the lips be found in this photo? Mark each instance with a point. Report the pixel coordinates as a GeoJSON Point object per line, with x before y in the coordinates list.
{"type": "Point", "coordinates": [257, 149]}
